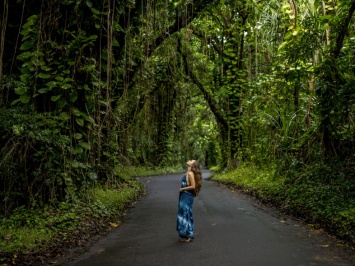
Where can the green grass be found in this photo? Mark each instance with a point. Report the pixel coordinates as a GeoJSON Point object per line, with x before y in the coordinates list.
{"type": "Point", "coordinates": [322, 195]}
{"type": "Point", "coordinates": [252, 179]}
{"type": "Point", "coordinates": [117, 200]}
{"type": "Point", "coordinates": [23, 238]}
{"type": "Point", "coordinates": [33, 229]}
{"type": "Point", "coordinates": [215, 168]}
{"type": "Point", "coordinates": [147, 171]}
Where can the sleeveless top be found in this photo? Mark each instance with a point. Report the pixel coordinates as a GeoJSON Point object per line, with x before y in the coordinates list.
{"type": "Point", "coordinates": [184, 184]}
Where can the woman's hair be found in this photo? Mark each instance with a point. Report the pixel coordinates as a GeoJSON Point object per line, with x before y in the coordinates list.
{"type": "Point", "coordinates": [195, 168]}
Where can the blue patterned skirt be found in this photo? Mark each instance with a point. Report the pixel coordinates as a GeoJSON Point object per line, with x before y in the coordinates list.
{"type": "Point", "coordinates": [185, 222]}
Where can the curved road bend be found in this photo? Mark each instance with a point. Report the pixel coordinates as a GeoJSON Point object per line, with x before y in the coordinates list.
{"type": "Point", "coordinates": [230, 229]}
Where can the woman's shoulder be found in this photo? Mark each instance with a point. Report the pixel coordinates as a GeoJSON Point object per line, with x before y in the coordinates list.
{"type": "Point", "coordinates": [190, 174]}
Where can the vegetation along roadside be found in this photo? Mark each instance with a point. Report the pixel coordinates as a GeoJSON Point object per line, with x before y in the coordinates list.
{"type": "Point", "coordinates": [321, 194]}
{"type": "Point", "coordinates": [41, 234]}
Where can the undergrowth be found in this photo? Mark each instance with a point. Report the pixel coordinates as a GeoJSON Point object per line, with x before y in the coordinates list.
{"type": "Point", "coordinates": [28, 232]}
{"type": "Point", "coordinates": [147, 171]}
{"type": "Point", "coordinates": [34, 229]}
{"type": "Point", "coordinates": [320, 194]}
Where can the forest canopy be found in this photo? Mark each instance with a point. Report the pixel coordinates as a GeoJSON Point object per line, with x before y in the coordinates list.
{"type": "Point", "coordinates": [89, 86]}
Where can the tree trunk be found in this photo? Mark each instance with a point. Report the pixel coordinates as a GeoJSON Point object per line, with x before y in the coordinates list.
{"type": "Point", "coordinates": [3, 26]}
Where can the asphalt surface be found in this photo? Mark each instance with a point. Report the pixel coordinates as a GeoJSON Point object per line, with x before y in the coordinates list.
{"type": "Point", "coordinates": [230, 229]}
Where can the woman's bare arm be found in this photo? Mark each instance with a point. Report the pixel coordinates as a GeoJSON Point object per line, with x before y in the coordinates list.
{"type": "Point", "coordinates": [191, 182]}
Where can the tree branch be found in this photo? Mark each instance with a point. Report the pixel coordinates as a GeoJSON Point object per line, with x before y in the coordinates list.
{"type": "Point", "coordinates": [212, 42]}
{"type": "Point", "coordinates": [181, 21]}
{"type": "Point", "coordinates": [213, 106]}
{"type": "Point", "coordinates": [343, 31]}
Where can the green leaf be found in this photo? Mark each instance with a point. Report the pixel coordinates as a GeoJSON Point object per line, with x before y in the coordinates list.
{"type": "Point", "coordinates": [75, 164]}
{"type": "Point", "coordinates": [325, 19]}
{"type": "Point", "coordinates": [79, 150]}
{"type": "Point", "coordinates": [76, 111]}
{"type": "Point", "coordinates": [26, 72]}
{"type": "Point", "coordinates": [20, 90]}
{"type": "Point", "coordinates": [25, 98]}
{"type": "Point", "coordinates": [15, 102]}
{"type": "Point", "coordinates": [27, 27]}
{"type": "Point", "coordinates": [55, 98]}
{"type": "Point", "coordinates": [26, 45]}
{"type": "Point", "coordinates": [117, 26]}
{"type": "Point", "coordinates": [115, 43]}
{"type": "Point", "coordinates": [61, 104]}
{"type": "Point", "coordinates": [88, 3]}
{"type": "Point", "coordinates": [64, 116]}
{"type": "Point", "coordinates": [44, 90]}
{"type": "Point", "coordinates": [38, 62]}
{"type": "Point", "coordinates": [76, 150]}
{"type": "Point", "coordinates": [66, 86]}
{"type": "Point", "coordinates": [89, 119]}
{"type": "Point", "coordinates": [26, 31]}
{"type": "Point", "coordinates": [31, 21]}
{"type": "Point", "coordinates": [84, 145]}
{"type": "Point", "coordinates": [43, 75]}
{"type": "Point", "coordinates": [325, 27]}
{"type": "Point", "coordinates": [78, 135]}
{"type": "Point", "coordinates": [24, 78]}
{"type": "Point", "coordinates": [95, 11]}
{"type": "Point", "coordinates": [17, 129]}
{"type": "Point", "coordinates": [80, 121]}
{"type": "Point", "coordinates": [24, 56]}
{"type": "Point", "coordinates": [45, 68]}
{"type": "Point", "coordinates": [52, 84]}
{"type": "Point", "coordinates": [73, 96]}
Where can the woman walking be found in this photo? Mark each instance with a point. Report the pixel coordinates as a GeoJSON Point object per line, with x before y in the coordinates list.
{"type": "Point", "coordinates": [190, 187]}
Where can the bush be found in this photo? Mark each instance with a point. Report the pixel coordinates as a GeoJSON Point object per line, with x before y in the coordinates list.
{"type": "Point", "coordinates": [32, 229]}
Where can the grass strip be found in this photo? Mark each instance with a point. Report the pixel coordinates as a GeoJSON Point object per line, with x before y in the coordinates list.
{"type": "Point", "coordinates": [44, 228]}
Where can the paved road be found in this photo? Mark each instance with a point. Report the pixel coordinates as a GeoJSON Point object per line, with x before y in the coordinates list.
{"type": "Point", "coordinates": [230, 229]}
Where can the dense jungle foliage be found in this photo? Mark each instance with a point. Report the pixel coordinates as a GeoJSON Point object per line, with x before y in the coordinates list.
{"type": "Point", "coordinates": [90, 87]}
